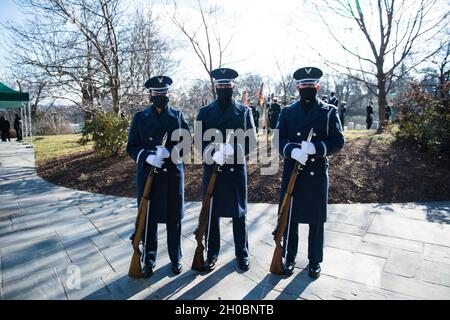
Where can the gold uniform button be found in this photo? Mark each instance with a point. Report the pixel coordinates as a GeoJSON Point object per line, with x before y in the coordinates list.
{"type": "Point", "coordinates": [312, 159]}
{"type": "Point", "coordinates": [314, 134]}
{"type": "Point", "coordinates": [232, 169]}
{"type": "Point", "coordinates": [299, 134]}
{"type": "Point", "coordinates": [311, 173]}
{"type": "Point", "coordinates": [151, 139]}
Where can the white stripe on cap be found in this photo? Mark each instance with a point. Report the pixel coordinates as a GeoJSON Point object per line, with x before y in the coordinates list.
{"type": "Point", "coordinates": [308, 80]}
{"type": "Point", "coordinates": [223, 80]}
{"type": "Point", "coordinates": [160, 88]}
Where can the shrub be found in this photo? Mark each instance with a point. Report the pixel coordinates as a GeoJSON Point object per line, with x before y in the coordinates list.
{"type": "Point", "coordinates": [424, 120]}
{"type": "Point", "coordinates": [108, 131]}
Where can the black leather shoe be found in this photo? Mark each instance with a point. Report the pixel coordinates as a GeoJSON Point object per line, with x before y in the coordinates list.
{"type": "Point", "coordinates": [244, 264]}
{"type": "Point", "coordinates": [177, 268]}
{"type": "Point", "coordinates": [314, 270]}
{"type": "Point", "coordinates": [211, 264]}
{"type": "Point", "coordinates": [289, 268]}
{"type": "Point", "coordinates": [147, 271]}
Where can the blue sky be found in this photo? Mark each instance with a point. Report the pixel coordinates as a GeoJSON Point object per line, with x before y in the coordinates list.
{"type": "Point", "coordinates": [9, 11]}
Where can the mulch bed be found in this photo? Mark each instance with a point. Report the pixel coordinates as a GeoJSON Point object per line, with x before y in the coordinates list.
{"type": "Point", "coordinates": [367, 170]}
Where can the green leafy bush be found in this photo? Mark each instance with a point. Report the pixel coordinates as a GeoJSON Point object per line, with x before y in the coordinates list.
{"type": "Point", "coordinates": [108, 131]}
{"type": "Point", "coordinates": [425, 120]}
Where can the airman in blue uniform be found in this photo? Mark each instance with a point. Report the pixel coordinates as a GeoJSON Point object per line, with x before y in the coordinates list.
{"type": "Point", "coordinates": [230, 192]}
{"type": "Point", "coordinates": [166, 204]}
{"type": "Point", "coordinates": [333, 99]}
{"type": "Point", "coordinates": [310, 195]}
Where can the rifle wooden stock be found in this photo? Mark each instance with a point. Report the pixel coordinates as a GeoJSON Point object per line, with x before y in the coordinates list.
{"type": "Point", "coordinates": [198, 263]}
{"type": "Point", "coordinates": [135, 265]}
{"type": "Point", "coordinates": [276, 267]}
{"type": "Point", "coordinates": [135, 270]}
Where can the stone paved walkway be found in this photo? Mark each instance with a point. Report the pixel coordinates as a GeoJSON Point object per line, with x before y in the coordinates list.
{"type": "Point", "coordinates": [50, 234]}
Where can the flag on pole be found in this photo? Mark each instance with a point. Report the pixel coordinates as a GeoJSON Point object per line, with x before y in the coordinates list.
{"type": "Point", "coordinates": [260, 97]}
{"type": "Point", "coordinates": [245, 98]}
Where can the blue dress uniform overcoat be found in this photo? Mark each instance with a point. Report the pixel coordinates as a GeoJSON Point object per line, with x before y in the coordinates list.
{"type": "Point", "coordinates": [310, 195]}
{"type": "Point", "coordinates": [274, 113]}
{"type": "Point", "coordinates": [146, 132]}
{"type": "Point", "coordinates": [230, 191]}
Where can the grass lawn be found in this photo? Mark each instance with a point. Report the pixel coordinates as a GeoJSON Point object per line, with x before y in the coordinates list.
{"type": "Point", "coordinates": [62, 145]}
{"type": "Point", "coordinates": [355, 134]}
{"type": "Point", "coordinates": [47, 147]}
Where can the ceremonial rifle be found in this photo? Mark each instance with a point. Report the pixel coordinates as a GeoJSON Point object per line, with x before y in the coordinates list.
{"type": "Point", "coordinates": [135, 270]}
{"type": "Point", "coordinates": [276, 266]}
{"type": "Point", "coordinates": [198, 263]}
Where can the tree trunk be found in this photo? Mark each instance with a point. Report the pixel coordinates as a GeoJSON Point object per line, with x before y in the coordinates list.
{"type": "Point", "coordinates": [382, 101]}
{"type": "Point", "coordinates": [114, 85]}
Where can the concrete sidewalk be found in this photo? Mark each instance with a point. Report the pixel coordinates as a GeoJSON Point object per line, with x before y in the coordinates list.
{"type": "Point", "coordinates": [59, 243]}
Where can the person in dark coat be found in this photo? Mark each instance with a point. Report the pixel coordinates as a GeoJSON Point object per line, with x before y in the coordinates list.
{"type": "Point", "coordinates": [4, 128]}
{"type": "Point", "coordinates": [166, 200]}
{"type": "Point", "coordinates": [342, 112]}
{"type": "Point", "coordinates": [369, 115]}
{"type": "Point", "coordinates": [18, 127]}
{"type": "Point", "coordinates": [310, 194]}
{"type": "Point", "coordinates": [230, 192]}
{"type": "Point", "coordinates": [388, 113]}
{"type": "Point", "coordinates": [274, 113]}
{"type": "Point", "coordinates": [255, 113]}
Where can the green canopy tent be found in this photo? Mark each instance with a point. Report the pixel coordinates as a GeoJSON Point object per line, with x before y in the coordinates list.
{"type": "Point", "coordinates": [12, 99]}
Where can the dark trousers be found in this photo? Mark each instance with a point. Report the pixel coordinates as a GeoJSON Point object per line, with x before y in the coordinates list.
{"type": "Point", "coordinates": [256, 124]}
{"type": "Point", "coordinates": [6, 135]}
{"type": "Point", "coordinates": [239, 234]}
{"type": "Point", "coordinates": [150, 240]}
{"type": "Point", "coordinates": [19, 134]}
{"type": "Point", "coordinates": [315, 242]}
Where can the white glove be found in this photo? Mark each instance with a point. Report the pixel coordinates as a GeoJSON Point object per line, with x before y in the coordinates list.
{"type": "Point", "coordinates": [308, 147]}
{"type": "Point", "coordinates": [219, 157]}
{"type": "Point", "coordinates": [155, 161]}
{"type": "Point", "coordinates": [162, 152]}
{"type": "Point", "coordinates": [299, 155]}
{"type": "Point", "coordinates": [226, 149]}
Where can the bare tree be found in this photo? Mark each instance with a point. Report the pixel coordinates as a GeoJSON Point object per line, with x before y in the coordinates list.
{"type": "Point", "coordinates": [250, 83]}
{"type": "Point", "coordinates": [205, 38]}
{"type": "Point", "coordinates": [190, 99]}
{"type": "Point", "coordinates": [145, 54]}
{"type": "Point", "coordinates": [90, 50]}
{"type": "Point", "coordinates": [401, 27]}
{"type": "Point", "coordinates": [286, 83]}
{"type": "Point", "coordinates": [439, 72]}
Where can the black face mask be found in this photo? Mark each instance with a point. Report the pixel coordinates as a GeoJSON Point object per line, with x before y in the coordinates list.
{"type": "Point", "coordinates": [224, 94]}
{"type": "Point", "coordinates": [160, 101]}
{"type": "Point", "coordinates": [308, 93]}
